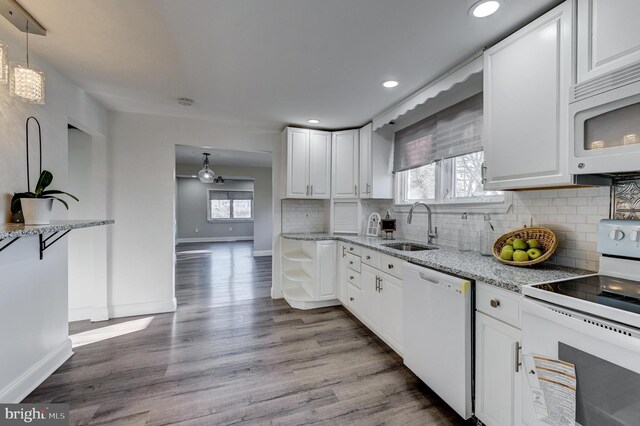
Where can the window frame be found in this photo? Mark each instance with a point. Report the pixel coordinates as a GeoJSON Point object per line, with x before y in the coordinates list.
{"type": "Point", "coordinates": [231, 219]}
{"type": "Point", "coordinates": [445, 186]}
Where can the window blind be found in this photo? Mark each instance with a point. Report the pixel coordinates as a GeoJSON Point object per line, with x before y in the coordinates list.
{"type": "Point", "coordinates": [454, 131]}
{"type": "Point", "coordinates": [230, 195]}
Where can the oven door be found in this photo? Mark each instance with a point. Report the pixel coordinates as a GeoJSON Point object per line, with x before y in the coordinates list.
{"type": "Point", "coordinates": [605, 132]}
{"type": "Point", "coordinates": [606, 356]}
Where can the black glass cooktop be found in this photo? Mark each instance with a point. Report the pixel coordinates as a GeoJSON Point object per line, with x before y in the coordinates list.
{"type": "Point", "coordinates": [601, 289]}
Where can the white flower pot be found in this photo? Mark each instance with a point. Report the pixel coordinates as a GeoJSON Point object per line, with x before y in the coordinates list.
{"type": "Point", "coordinates": [36, 211]}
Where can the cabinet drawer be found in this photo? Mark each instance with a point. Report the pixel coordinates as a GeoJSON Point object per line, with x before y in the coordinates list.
{"type": "Point", "coordinates": [498, 303]}
{"type": "Point", "coordinates": [354, 302]}
{"type": "Point", "coordinates": [371, 258]}
{"type": "Point", "coordinates": [353, 262]}
{"type": "Point", "coordinates": [391, 265]}
{"type": "Point", "coordinates": [354, 249]}
{"type": "Point", "coordinates": [353, 277]}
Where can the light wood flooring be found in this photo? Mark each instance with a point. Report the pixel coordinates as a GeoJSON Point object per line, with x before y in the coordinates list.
{"type": "Point", "coordinates": [232, 355]}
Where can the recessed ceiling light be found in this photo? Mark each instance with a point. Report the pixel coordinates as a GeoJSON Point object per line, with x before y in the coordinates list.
{"type": "Point", "coordinates": [390, 83]}
{"type": "Point", "coordinates": [484, 8]}
{"type": "Point", "coordinates": [313, 121]}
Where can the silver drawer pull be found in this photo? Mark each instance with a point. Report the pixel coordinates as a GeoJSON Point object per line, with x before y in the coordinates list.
{"type": "Point", "coordinates": [350, 248]}
{"type": "Point", "coordinates": [350, 277]}
{"type": "Point", "coordinates": [352, 299]}
{"type": "Point", "coordinates": [390, 266]}
{"type": "Point", "coordinates": [368, 257]}
{"type": "Point", "coordinates": [494, 303]}
{"type": "Point", "coordinates": [351, 262]}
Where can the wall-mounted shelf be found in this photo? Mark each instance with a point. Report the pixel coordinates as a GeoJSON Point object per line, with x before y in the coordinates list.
{"type": "Point", "coordinates": [47, 234]}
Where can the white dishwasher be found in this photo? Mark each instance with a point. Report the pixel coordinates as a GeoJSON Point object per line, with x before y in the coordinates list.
{"type": "Point", "coordinates": [437, 334]}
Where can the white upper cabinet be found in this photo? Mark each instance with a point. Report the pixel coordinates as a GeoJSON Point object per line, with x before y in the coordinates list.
{"type": "Point", "coordinates": [608, 38]}
{"type": "Point", "coordinates": [319, 164]}
{"type": "Point", "coordinates": [526, 82]}
{"type": "Point", "coordinates": [345, 176]}
{"type": "Point", "coordinates": [376, 164]}
{"type": "Point", "coordinates": [308, 163]}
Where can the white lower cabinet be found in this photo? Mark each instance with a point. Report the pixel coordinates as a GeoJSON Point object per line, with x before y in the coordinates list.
{"type": "Point", "coordinates": [498, 372]}
{"type": "Point", "coordinates": [383, 299]}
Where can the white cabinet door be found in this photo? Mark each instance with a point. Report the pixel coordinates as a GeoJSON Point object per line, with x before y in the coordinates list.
{"type": "Point", "coordinates": [326, 270]}
{"type": "Point", "coordinates": [392, 315]}
{"type": "Point", "coordinates": [498, 387]}
{"type": "Point", "coordinates": [526, 81]}
{"type": "Point", "coordinates": [607, 36]}
{"type": "Point", "coordinates": [319, 164]}
{"type": "Point", "coordinates": [366, 178]}
{"type": "Point", "coordinates": [371, 298]}
{"type": "Point", "coordinates": [297, 163]}
{"type": "Point", "coordinates": [345, 159]}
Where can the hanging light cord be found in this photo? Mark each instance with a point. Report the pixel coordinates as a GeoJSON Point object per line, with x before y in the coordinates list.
{"type": "Point", "coordinates": [27, 43]}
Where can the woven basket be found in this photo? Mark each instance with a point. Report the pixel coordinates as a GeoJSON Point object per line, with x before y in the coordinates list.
{"type": "Point", "coordinates": [545, 236]}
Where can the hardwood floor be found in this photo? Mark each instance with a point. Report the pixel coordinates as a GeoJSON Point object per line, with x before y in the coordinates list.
{"type": "Point", "coordinates": [232, 355]}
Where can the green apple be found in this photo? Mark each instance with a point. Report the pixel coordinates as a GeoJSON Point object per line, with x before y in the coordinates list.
{"type": "Point", "coordinates": [534, 253]}
{"type": "Point", "coordinates": [534, 244]}
{"type": "Point", "coordinates": [506, 255]}
{"type": "Point", "coordinates": [508, 247]}
{"type": "Point", "coordinates": [520, 255]}
{"type": "Point", "coordinates": [510, 241]}
{"type": "Point", "coordinates": [520, 244]}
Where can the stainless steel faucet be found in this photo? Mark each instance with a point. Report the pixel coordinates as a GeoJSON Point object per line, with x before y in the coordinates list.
{"type": "Point", "coordinates": [430, 235]}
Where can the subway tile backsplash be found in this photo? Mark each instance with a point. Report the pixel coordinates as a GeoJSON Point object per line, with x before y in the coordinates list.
{"type": "Point", "coordinates": [573, 214]}
{"type": "Point", "coordinates": [304, 216]}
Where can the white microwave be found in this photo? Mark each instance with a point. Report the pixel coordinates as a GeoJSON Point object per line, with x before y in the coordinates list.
{"type": "Point", "coordinates": [604, 132]}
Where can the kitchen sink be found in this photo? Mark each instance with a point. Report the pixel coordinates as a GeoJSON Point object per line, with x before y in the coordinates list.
{"type": "Point", "coordinates": [409, 247]}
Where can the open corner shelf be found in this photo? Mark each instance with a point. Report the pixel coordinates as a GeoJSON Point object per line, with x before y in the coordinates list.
{"type": "Point", "coordinates": [55, 230]}
{"type": "Point", "coordinates": [297, 275]}
{"type": "Point", "coordinates": [298, 294]}
{"type": "Point", "coordinates": [297, 256]}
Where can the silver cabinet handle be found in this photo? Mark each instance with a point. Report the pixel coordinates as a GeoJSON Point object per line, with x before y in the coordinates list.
{"type": "Point", "coordinates": [350, 248]}
{"type": "Point", "coordinates": [343, 249]}
{"type": "Point", "coordinates": [368, 189]}
{"type": "Point", "coordinates": [483, 171]}
{"type": "Point", "coordinates": [312, 190]}
{"type": "Point", "coordinates": [390, 266]}
{"type": "Point", "coordinates": [380, 285]}
{"type": "Point", "coordinates": [517, 350]}
{"type": "Point", "coordinates": [368, 257]}
{"type": "Point", "coordinates": [351, 262]}
{"type": "Point", "coordinates": [350, 277]}
{"type": "Point", "coordinates": [352, 299]}
{"type": "Point", "coordinates": [355, 190]}
{"type": "Point", "coordinates": [377, 282]}
{"type": "Point", "coordinates": [494, 303]}
{"type": "Point", "coordinates": [307, 193]}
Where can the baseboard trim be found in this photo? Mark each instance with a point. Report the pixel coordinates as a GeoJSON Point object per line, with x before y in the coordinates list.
{"type": "Point", "coordinates": [18, 390]}
{"type": "Point", "coordinates": [88, 313]}
{"type": "Point", "coordinates": [259, 253]}
{"type": "Point", "coordinates": [213, 239]}
{"type": "Point", "coordinates": [135, 309]}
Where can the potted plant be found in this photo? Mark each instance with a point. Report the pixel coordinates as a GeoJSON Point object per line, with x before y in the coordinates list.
{"type": "Point", "coordinates": [36, 206]}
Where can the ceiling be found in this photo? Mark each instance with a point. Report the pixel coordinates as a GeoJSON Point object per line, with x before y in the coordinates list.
{"type": "Point", "coordinates": [265, 63]}
{"type": "Point", "coordinates": [189, 155]}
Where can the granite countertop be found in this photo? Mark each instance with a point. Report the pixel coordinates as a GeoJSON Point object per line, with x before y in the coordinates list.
{"type": "Point", "coordinates": [15, 230]}
{"type": "Point", "coordinates": [471, 265]}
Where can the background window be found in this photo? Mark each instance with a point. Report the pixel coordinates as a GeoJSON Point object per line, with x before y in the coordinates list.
{"type": "Point", "coordinates": [421, 183]}
{"type": "Point", "coordinates": [230, 205]}
{"type": "Point", "coordinates": [467, 176]}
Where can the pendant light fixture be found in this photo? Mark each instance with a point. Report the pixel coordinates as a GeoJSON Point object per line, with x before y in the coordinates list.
{"type": "Point", "coordinates": [27, 81]}
{"type": "Point", "coordinates": [4, 64]}
{"type": "Point", "coordinates": [206, 175]}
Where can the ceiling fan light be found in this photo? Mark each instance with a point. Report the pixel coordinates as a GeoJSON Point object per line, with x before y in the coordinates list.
{"type": "Point", "coordinates": [4, 64]}
{"type": "Point", "coordinates": [27, 83]}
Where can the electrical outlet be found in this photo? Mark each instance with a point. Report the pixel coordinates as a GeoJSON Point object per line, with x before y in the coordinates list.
{"type": "Point", "coordinates": [197, 230]}
{"type": "Point", "coordinates": [230, 229]}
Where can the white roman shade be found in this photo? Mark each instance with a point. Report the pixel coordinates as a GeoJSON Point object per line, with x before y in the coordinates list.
{"type": "Point", "coordinates": [454, 131]}
{"type": "Point", "coordinates": [230, 195]}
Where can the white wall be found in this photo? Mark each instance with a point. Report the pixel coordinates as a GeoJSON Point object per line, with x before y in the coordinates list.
{"type": "Point", "coordinates": [33, 293]}
{"type": "Point", "coordinates": [141, 200]}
